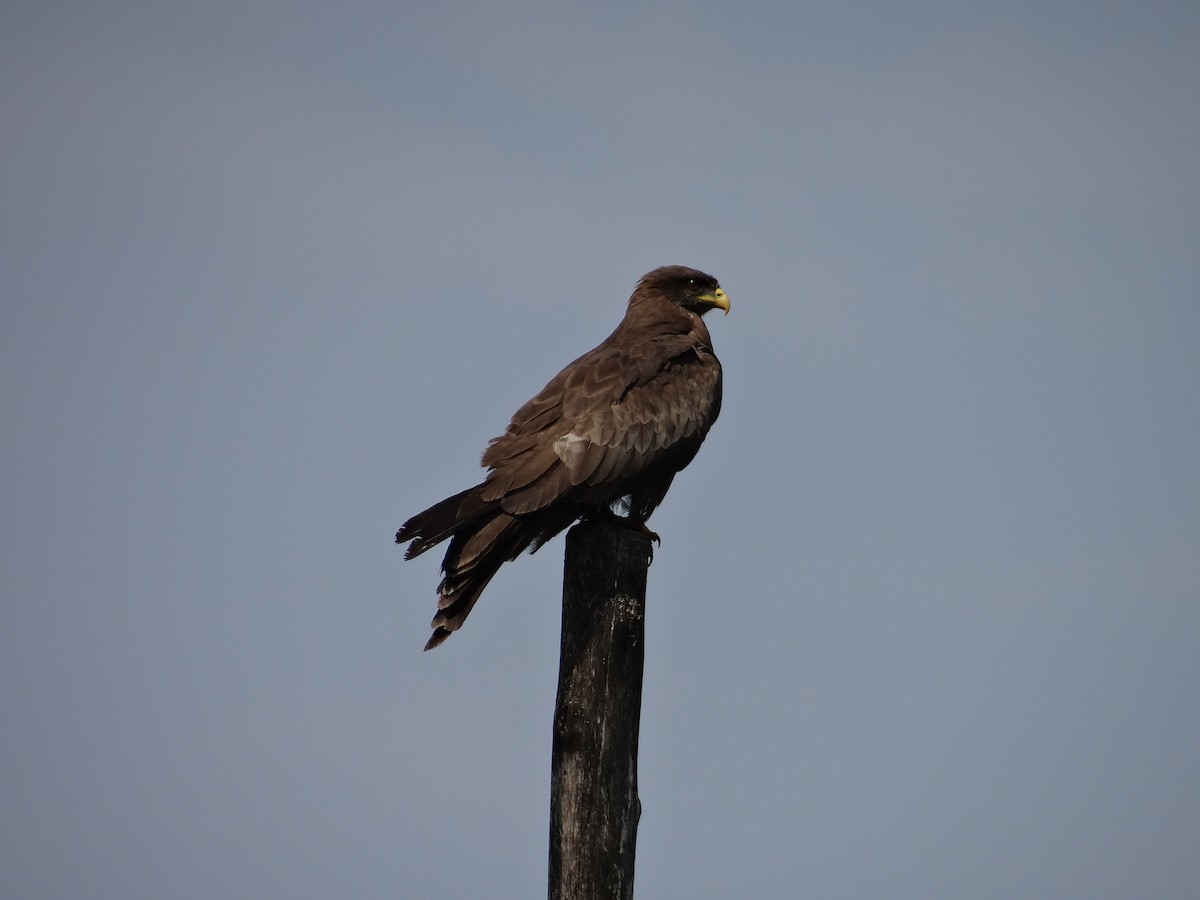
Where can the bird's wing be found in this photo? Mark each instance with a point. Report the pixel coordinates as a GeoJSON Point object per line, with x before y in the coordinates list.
{"type": "Point", "coordinates": [604, 419]}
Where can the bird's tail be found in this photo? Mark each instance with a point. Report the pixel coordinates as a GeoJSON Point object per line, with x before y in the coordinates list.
{"type": "Point", "coordinates": [442, 520]}
{"type": "Point", "coordinates": [472, 558]}
{"type": "Point", "coordinates": [482, 538]}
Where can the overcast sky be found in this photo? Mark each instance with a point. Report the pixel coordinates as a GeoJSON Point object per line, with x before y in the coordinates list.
{"type": "Point", "coordinates": [925, 621]}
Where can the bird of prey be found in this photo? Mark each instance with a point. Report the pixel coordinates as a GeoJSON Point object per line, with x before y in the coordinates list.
{"type": "Point", "coordinates": [610, 431]}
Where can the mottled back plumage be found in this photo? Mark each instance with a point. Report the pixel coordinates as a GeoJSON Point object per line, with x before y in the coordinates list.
{"type": "Point", "coordinates": [613, 427]}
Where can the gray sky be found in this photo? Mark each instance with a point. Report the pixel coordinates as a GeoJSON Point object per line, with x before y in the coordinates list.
{"type": "Point", "coordinates": [925, 622]}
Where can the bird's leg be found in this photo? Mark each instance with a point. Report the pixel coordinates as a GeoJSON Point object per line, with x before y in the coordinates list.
{"type": "Point", "coordinates": [641, 528]}
{"type": "Point", "coordinates": [633, 523]}
{"type": "Point", "coordinates": [655, 540]}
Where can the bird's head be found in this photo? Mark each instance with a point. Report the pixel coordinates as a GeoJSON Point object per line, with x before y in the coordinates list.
{"type": "Point", "coordinates": [690, 288]}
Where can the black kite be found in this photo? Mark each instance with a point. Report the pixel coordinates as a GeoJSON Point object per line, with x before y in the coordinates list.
{"type": "Point", "coordinates": [610, 429]}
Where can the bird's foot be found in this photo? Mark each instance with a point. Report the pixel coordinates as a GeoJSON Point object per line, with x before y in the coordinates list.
{"type": "Point", "coordinates": [636, 525]}
{"type": "Point", "coordinates": [655, 540]}
{"type": "Point", "coordinates": [642, 529]}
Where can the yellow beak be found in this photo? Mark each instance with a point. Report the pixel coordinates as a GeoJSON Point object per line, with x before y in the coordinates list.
{"type": "Point", "coordinates": [717, 298]}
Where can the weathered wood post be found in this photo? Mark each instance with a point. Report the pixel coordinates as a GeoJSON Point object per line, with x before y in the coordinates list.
{"type": "Point", "coordinates": [594, 806]}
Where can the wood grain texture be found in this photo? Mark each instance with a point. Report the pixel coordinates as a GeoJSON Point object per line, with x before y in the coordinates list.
{"type": "Point", "coordinates": [594, 806]}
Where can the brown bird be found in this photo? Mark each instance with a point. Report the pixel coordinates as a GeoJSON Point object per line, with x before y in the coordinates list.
{"type": "Point", "coordinates": [609, 431]}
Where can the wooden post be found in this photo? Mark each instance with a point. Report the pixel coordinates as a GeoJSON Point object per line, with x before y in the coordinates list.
{"type": "Point", "coordinates": [594, 806]}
